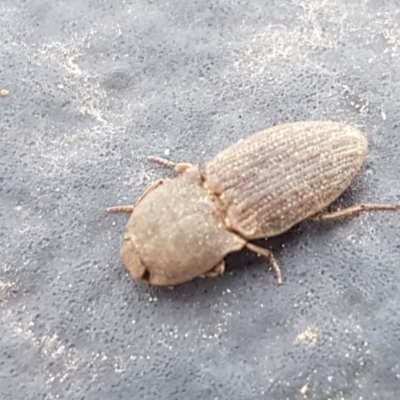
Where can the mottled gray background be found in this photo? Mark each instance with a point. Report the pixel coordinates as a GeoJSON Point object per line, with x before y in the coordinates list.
{"type": "Point", "coordinates": [97, 86]}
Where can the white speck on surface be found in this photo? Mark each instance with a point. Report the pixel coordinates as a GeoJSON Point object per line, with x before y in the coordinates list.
{"type": "Point", "coordinates": [307, 336]}
{"type": "Point", "coordinates": [304, 389]}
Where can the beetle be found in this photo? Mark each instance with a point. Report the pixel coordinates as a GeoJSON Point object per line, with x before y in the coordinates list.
{"type": "Point", "coordinates": [259, 187]}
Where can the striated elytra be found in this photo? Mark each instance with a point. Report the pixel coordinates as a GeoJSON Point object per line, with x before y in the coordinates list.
{"type": "Point", "coordinates": [260, 187]}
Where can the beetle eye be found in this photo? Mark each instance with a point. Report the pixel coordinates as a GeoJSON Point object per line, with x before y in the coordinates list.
{"type": "Point", "coordinates": [146, 275]}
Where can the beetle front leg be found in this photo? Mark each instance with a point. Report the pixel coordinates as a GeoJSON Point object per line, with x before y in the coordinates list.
{"type": "Point", "coordinates": [353, 210]}
{"type": "Point", "coordinates": [267, 253]}
{"type": "Point", "coordinates": [178, 167]}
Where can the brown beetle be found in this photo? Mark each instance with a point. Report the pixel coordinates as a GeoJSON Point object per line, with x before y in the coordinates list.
{"type": "Point", "coordinates": [260, 187]}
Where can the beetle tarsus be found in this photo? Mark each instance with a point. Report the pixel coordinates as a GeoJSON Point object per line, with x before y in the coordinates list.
{"type": "Point", "coordinates": [268, 254]}
{"type": "Point", "coordinates": [121, 209]}
{"type": "Point", "coordinates": [354, 210]}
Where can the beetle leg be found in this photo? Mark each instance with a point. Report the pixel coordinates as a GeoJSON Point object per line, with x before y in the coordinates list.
{"type": "Point", "coordinates": [267, 253]}
{"type": "Point", "coordinates": [130, 209]}
{"type": "Point", "coordinates": [356, 209]}
{"type": "Point", "coordinates": [216, 271]}
{"type": "Point", "coordinates": [178, 167]}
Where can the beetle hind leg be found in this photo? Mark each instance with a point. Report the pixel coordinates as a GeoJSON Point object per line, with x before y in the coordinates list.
{"type": "Point", "coordinates": [354, 210]}
{"type": "Point", "coordinates": [269, 255]}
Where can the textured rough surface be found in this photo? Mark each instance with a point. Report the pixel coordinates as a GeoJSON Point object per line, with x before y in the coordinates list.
{"type": "Point", "coordinates": [97, 86]}
{"type": "Point", "coordinates": [278, 177]}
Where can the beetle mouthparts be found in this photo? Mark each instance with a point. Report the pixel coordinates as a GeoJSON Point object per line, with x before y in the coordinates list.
{"type": "Point", "coordinates": [132, 261]}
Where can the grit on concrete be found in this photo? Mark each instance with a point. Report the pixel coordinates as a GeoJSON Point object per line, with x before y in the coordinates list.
{"type": "Point", "coordinates": [94, 87]}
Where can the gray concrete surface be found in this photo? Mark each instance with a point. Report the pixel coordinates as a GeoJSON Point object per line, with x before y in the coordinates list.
{"type": "Point", "coordinates": [97, 86]}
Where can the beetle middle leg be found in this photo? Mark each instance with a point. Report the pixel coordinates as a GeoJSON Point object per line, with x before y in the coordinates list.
{"type": "Point", "coordinates": [354, 210]}
{"type": "Point", "coordinates": [178, 167]}
{"type": "Point", "coordinates": [267, 253]}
